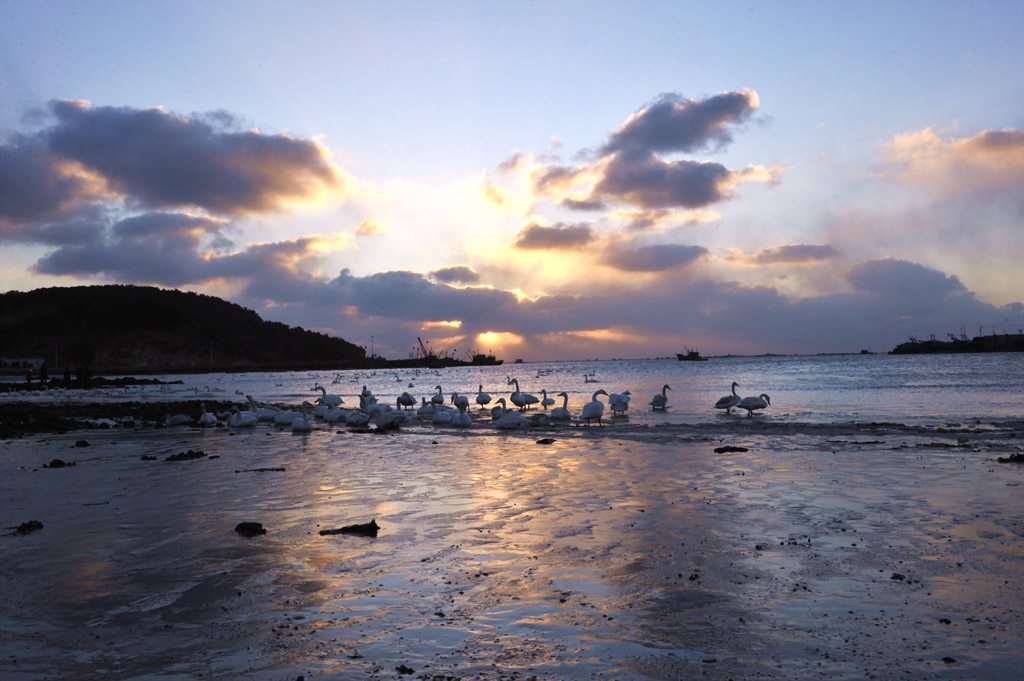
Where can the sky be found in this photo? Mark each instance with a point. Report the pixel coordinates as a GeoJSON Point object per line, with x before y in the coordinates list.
{"type": "Point", "coordinates": [563, 180]}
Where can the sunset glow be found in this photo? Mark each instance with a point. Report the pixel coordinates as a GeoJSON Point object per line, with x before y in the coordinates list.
{"type": "Point", "coordinates": [588, 202]}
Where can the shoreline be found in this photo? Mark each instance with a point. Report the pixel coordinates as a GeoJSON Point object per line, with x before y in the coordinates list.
{"type": "Point", "coordinates": [23, 419]}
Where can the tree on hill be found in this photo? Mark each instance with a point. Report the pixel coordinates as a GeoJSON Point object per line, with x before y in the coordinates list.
{"type": "Point", "coordinates": [139, 327]}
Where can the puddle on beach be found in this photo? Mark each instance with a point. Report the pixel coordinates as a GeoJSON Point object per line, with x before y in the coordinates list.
{"type": "Point", "coordinates": [641, 556]}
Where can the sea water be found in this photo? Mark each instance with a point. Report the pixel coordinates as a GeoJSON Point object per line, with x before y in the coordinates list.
{"type": "Point", "coordinates": [908, 389]}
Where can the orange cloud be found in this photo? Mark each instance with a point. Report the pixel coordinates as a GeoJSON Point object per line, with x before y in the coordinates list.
{"type": "Point", "coordinates": [951, 166]}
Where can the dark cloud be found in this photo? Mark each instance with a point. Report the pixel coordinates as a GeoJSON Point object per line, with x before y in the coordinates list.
{"type": "Point", "coordinates": [558, 237]}
{"type": "Point", "coordinates": [794, 254]}
{"type": "Point", "coordinates": [156, 248]}
{"type": "Point", "coordinates": [551, 177]}
{"type": "Point", "coordinates": [904, 279]}
{"type": "Point", "coordinates": [645, 180]}
{"type": "Point", "coordinates": [159, 160]}
{"type": "Point", "coordinates": [34, 187]}
{"type": "Point", "coordinates": [584, 204]}
{"type": "Point", "coordinates": [1002, 140]}
{"type": "Point", "coordinates": [458, 274]}
{"type": "Point", "coordinates": [653, 258]}
{"type": "Point", "coordinates": [676, 124]}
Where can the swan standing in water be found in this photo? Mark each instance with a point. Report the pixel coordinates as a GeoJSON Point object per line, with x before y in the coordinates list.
{"type": "Point", "coordinates": [438, 397]}
{"type": "Point", "coordinates": [729, 401]}
{"type": "Point", "coordinates": [659, 401]}
{"type": "Point", "coordinates": [562, 413]}
{"type": "Point", "coordinates": [593, 409]}
{"type": "Point", "coordinates": [546, 401]}
{"type": "Point", "coordinates": [752, 403]}
{"type": "Point", "coordinates": [619, 403]}
{"type": "Point", "coordinates": [482, 398]}
{"type": "Point", "coordinates": [521, 399]}
{"type": "Point", "coordinates": [301, 424]}
{"type": "Point", "coordinates": [328, 400]}
{"type": "Point", "coordinates": [460, 401]}
{"type": "Point", "coordinates": [406, 401]}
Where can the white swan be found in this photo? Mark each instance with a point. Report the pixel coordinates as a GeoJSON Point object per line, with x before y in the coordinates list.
{"type": "Point", "coordinates": [285, 418]}
{"type": "Point", "coordinates": [460, 401]}
{"type": "Point", "coordinates": [659, 401]}
{"type": "Point", "coordinates": [462, 419]}
{"type": "Point", "coordinates": [390, 420]}
{"type": "Point", "coordinates": [593, 409]}
{"type": "Point", "coordinates": [752, 403]}
{"type": "Point", "coordinates": [178, 420]}
{"type": "Point", "coordinates": [263, 413]}
{"type": "Point", "coordinates": [328, 400]}
{"type": "Point", "coordinates": [442, 417]}
{"type": "Point", "coordinates": [547, 401]}
{"type": "Point", "coordinates": [241, 419]}
{"type": "Point", "coordinates": [521, 399]}
{"type": "Point", "coordinates": [482, 398]}
{"type": "Point", "coordinates": [729, 401]}
{"type": "Point", "coordinates": [619, 403]}
{"type": "Point", "coordinates": [438, 397]}
{"type": "Point", "coordinates": [499, 409]}
{"type": "Point", "coordinates": [511, 420]}
{"type": "Point", "coordinates": [562, 413]}
{"type": "Point", "coordinates": [406, 401]}
{"type": "Point", "coordinates": [301, 424]}
{"type": "Point", "coordinates": [206, 418]}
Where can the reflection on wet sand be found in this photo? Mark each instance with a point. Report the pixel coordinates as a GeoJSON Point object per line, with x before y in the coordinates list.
{"type": "Point", "coordinates": [629, 553]}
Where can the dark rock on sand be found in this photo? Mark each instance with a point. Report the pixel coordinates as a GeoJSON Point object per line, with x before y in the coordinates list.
{"type": "Point", "coordinates": [58, 463]}
{"type": "Point", "coordinates": [546, 441]}
{"type": "Point", "coordinates": [369, 529]}
{"type": "Point", "coordinates": [30, 526]}
{"type": "Point", "coordinates": [186, 456]}
{"type": "Point", "coordinates": [81, 443]}
{"type": "Point", "coordinates": [259, 470]}
{"type": "Point", "coordinates": [1013, 458]}
{"type": "Point", "coordinates": [147, 457]}
{"type": "Point", "coordinates": [730, 448]}
{"type": "Point", "coordinates": [897, 576]}
{"type": "Point", "coordinates": [402, 669]}
{"type": "Point", "coordinates": [250, 529]}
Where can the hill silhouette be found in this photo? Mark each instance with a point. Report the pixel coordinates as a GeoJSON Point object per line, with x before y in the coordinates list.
{"type": "Point", "coordinates": [121, 328]}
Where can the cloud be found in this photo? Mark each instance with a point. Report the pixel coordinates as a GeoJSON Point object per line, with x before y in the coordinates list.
{"type": "Point", "coordinates": [632, 167]}
{"type": "Point", "coordinates": [458, 274]}
{"type": "Point", "coordinates": [37, 185]}
{"type": "Point", "coordinates": [644, 180]}
{"type": "Point", "coordinates": [559, 237]}
{"type": "Point", "coordinates": [158, 160]}
{"type": "Point", "coordinates": [674, 123]}
{"type": "Point", "coordinates": [903, 279]}
{"type": "Point", "coordinates": [789, 254]}
{"type": "Point", "coordinates": [946, 166]}
{"type": "Point", "coordinates": [159, 248]}
{"type": "Point", "coordinates": [583, 204]}
{"type": "Point", "coordinates": [370, 227]}
{"type": "Point", "coordinates": [653, 258]}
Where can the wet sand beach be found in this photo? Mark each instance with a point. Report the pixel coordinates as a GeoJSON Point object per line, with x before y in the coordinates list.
{"type": "Point", "coordinates": [620, 552]}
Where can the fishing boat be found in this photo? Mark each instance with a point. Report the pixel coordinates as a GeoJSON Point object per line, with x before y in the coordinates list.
{"type": "Point", "coordinates": [690, 356]}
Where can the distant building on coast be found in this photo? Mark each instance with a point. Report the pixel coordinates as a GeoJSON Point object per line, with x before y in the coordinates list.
{"type": "Point", "coordinates": [1005, 342]}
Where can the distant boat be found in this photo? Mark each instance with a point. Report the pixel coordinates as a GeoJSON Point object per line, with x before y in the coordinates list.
{"type": "Point", "coordinates": [518, 361]}
{"type": "Point", "coordinates": [480, 359]}
{"type": "Point", "coordinates": [690, 356]}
